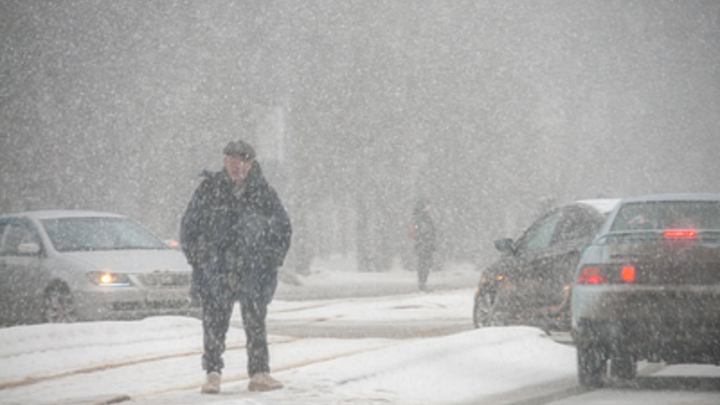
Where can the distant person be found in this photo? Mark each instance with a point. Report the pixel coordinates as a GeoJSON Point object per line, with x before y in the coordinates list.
{"type": "Point", "coordinates": [235, 233]}
{"type": "Point", "coordinates": [422, 232]}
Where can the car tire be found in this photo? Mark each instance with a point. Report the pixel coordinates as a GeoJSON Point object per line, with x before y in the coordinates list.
{"type": "Point", "coordinates": [564, 321]}
{"type": "Point", "coordinates": [623, 367]}
{"type": "Point", "coordinates": [591, 366]}
{"type": "Point", "coordinates": [58, 306]}
{"type": "Point", "coordinates": [484, 309]}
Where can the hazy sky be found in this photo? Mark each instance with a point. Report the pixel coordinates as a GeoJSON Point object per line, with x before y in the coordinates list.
{"type": "Point", "coordinates": [488, 108]}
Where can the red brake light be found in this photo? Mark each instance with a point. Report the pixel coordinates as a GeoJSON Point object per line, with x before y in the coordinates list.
{"type": "Point", "coordinates": [628, 274]}
{"type": "Point", "coordinates": [592, 275]}
{"type": "Point", "coordinates": [680, 233]}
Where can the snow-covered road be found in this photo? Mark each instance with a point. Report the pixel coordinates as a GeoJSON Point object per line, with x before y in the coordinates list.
{"type": "Point", "coordinates": [156, 361]}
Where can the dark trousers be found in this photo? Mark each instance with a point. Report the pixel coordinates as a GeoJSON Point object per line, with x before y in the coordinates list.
{"type": "Point", "coordinates": [216, 321]}
{"type": "Point", "coordinates": [425, 264]}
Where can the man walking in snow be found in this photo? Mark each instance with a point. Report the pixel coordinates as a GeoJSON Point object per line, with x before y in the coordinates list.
{"type": "Point", "coordinates": [423, 233]}
{"type": "Point", "coordinates": [235, 233]}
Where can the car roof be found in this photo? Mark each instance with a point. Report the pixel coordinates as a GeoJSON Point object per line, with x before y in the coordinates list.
{"type": "Point", "coordinates": [675, 197]}
{"type": "Point", "coordinates": [55, 214]}
{"type": "Point", "coordinates": [601, 205]}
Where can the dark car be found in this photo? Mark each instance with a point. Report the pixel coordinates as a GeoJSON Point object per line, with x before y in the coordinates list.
{"type": "Point", "coordinates": [648, 288]}
{"type": "Point", "coordinates": [530, 283]}
{"type": "Point", "coordinates": [64, 266]}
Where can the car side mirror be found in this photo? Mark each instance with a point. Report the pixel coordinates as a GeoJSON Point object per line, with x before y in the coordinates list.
{"type": "Point", "coordinates": [29, 249]}
{"type": "Point", "coordinates": [504, 245]}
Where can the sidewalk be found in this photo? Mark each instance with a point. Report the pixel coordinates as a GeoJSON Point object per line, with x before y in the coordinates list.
{"type": "Point", "coordinates": [337, 277]}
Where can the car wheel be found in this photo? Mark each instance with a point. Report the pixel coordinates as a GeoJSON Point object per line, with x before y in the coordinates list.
{"type": "Point", "coordinates": [591, 366]}
{"type": "Point", "coordinates": [484, 309]}
{"type": "Point", "coordinates": [58, 305]}
{"type": "Point", "coordinates": [623, 367]}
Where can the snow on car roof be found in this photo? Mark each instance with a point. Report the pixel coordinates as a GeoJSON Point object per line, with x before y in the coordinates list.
{"type": "Point", "coordinates": [603, 205]}
{"type": "Point", "coordinates": [675, 197]}
{"type": "Point", "coordinates": [53, 214]}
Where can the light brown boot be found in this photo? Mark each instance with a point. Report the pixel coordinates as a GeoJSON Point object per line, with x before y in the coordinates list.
{"type": "Point", "coordinates": [263, 382]}
{"type": "Point", "coordinates": [212, 385]}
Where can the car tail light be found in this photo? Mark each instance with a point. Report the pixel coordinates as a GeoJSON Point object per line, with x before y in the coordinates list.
{"type": "Point", "coordinates": [680, 234]}
{"type": "Point", "coordinates": [628, 274]}
{"type": "Point", "coordinates": [592, 275]}
{"type": "Point", "coordinates": [607, 274]}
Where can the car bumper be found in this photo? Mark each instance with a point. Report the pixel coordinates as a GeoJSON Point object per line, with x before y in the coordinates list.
{"type": "Point", "coordinates": [115, 303]}
{"type": "Point", "coordinates": [674, 341]}
{"type": "Point", "coordinates": [637, 302]}
{"type": "Point", "coordinates": [677, 325]}
{"type": "Point", "coordinates": [521, 303]}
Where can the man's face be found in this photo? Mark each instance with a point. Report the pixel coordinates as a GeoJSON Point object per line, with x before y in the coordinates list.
{"type": "Point", "coordinates": [238, 167]}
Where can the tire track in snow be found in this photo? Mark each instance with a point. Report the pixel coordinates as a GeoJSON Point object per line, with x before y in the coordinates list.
{"type": "Point", "coordinates": [118, 364]}
{"type": "Point", "coordinates": [291, 366]}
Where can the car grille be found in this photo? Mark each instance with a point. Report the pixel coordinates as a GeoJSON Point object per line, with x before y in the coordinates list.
{"type": "Point", "coordinates": [165, 280]}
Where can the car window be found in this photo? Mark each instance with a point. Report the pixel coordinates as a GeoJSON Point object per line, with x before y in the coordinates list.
{"type": "Point", "coordinates": [577, 224]}
{"type": "Point", "coordinates": [18, 233]}
{"type": "Point", "coordinates": [89, 233]}
{"type": "Point", "coordinates": [3, 226]}
{"type": "Point", "coordinates": [667, 215]}
{"type": "Point", "coordinates": [541, 233]}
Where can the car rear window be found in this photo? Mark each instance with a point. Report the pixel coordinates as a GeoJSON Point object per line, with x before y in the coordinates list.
{"type": "Point", "coordinates": [90, 233]}
{"type": "Point", "coordinates": [661, 215]}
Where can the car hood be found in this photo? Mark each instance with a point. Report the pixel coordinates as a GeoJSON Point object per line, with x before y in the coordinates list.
{"type": "Point", "coordinates": [132, 261]}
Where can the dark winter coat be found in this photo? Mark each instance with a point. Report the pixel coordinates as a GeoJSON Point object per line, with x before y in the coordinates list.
{"type": "Point", "coordinates": [424, 231]}
{"type": "Point", "coordinates": [235, 245]}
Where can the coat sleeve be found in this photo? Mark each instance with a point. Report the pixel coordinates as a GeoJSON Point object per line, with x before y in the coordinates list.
{"type": "Point", "coordinates": [191, 226]}
{"type": "Point", "coordinates": [279, 234]}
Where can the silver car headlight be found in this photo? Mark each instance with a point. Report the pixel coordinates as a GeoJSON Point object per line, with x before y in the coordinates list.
{"type": "Point", "coordinates": [101, 278]}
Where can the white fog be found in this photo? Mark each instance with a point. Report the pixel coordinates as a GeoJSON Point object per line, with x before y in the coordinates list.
{"type": "Point", "coordinates": [493, 110]}
{"type": "Point", "coordinates": [488, 108]}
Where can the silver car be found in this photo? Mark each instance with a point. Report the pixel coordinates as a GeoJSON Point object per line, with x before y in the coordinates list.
{"type": "Point", "coordinates": [65, 266]}
{"type": "Point", "coordinates": [648, 288]}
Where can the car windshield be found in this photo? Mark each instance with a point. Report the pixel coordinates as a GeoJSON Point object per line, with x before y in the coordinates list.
{"type": "Point", "coordinates": [662, 215]}
{"type": "Point", "coordinates": [99, 233]}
